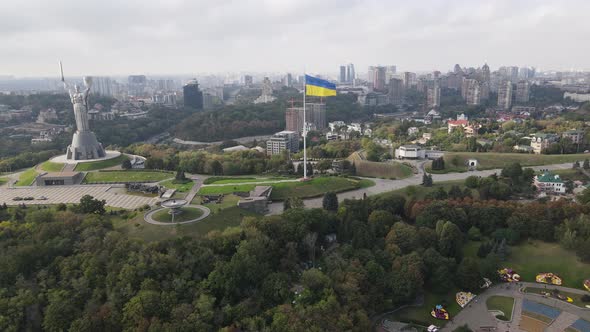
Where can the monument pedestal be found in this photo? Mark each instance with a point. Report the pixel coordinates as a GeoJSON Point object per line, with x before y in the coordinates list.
{"type": "Point", "coordinates": [85, 146]}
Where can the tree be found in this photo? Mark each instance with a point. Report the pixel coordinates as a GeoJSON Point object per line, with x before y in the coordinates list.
{"type": "Point", "coordinates": [438, 164]}
{"type": "Point", "coordinates": [353, 169]}
{"type": "Point", "coordinates": [126, 164]}
{"type": "Point", "coordinates": [583, 250]}
{"type": "Point", "coordinates": [455, 192]}
{"type": "Point", "coordinates": [380, 222]}
{"type": "Point", "coordinates": [584, 197]}
{"type": "Point", "coordinates": [180, 175]}
{"type": "Point", "coordinates": [472, 182]}
{"type": "Point", "coordinates": [90, 205]}
{"type": "Point", "coordinates": [330, 201]}
{"type": "Point", "coordinates": [468, 276]}
{"type": "Point", "coordinates": [293, 203]}
{"type": "Point", "coordinates": [404, 236]}
{"type": "Point", "coordinates": [474, 234]}
{"type": "Point", "coordinates": [450, 240]}
{"type": "Point", "coordinates": [586, 164]}
{"type": "Point", "coordinates": [576, 165]}
{"type": "Point", "coordinates": [512, 171]}
{"type": "Point", "coordinates": [427, 180]}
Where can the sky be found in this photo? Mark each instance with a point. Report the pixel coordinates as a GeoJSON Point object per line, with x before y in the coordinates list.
{"type": "Point", "coordinates": [120, 37]}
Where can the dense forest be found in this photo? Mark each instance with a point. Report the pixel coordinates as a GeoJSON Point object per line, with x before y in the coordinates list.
{"type": "Point", "coordinates": [67, 268]}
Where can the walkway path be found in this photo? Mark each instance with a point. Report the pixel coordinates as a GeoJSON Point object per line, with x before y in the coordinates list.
{"type": "Point", "coordinates": [194, 190]}
{"type": "Point", "coordinates": [150, 220]}
{"type": "Point", "coordinates": [382, 185]}
{"type": "Point", "coordinates": [562, 322]}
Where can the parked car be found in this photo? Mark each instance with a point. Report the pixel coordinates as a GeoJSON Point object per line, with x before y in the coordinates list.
{"type": "Point", "coordinates": [17, 199]}
{"type": "Point", "coordinates": [28, 198]}
{"type": "Point", "coordinates": [41, 198]}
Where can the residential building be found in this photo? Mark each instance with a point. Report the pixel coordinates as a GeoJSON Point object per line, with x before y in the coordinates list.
{"type": "Point", "coordinates": [193, 96]}
{"type": "Point", "coordinates": [343, 78]}
{"type": "Point", "coordinates": [47, 115]}
{"type": "Point", "coordinates": [452, 124]}
{"type": "Point", "coordinates": [522, 91]}
{"type": "Point", "coordinates": [379, 74]}
{"type": "Point", "coordinates": [396, 91]}
{"type": "Point", "coordinates": [266, 95]}
{"type": "Point", "coordinates": [409, 80]}
{"type": "Point", "coordinates": [577, 136]}
{"type": "Point", "coordinates": [101, 86]}
{"type": "Point", "coordinates": [315, 116]}
{"type": "Point", "coordinates": [433, 96]}
{"type": "Point", "coordinates": [248, 80]}
{"type": "Point", "coordinates": [470, 90]}
{"type": "Point", "coordinates": [136, 85]}
{"type": "Point", "coordinates": [505, 95]}
{"type": "Point", "coordinates": [577, 97]}
{"type": "Point", "coordinates": [486, 74]}
{"type": "Point", "coordinates": [541, 141]}
{"type": "Point", "coordinates": [350, 74]}
{"type": "Point", "coordinates": [390, 72]}
{"type": "Point", "coordinates": [416, 152]}
{"type": "Point", "coordinates": [549, 183]}
{"type": "Point", "coordinates": [413, 131]}
{"type": "Point", "coordinates": [281, 141]}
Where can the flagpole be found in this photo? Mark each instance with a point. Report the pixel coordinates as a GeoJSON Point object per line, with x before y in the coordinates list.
{"type": "Point", "coordinates": [304, 129]}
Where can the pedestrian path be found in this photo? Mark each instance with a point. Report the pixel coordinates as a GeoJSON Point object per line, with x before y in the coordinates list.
{"type": "Point", "coordinates": [562, 322]}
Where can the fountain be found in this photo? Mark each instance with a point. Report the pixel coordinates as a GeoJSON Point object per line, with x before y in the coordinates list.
{"type": "Point", "coordinates": [174, 206]}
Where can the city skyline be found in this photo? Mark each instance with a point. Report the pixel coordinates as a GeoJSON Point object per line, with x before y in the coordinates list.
{"type": "Point", "coordinates": [176, 37]}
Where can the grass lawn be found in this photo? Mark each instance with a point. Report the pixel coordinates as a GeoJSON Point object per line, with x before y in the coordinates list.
{"type": "Point", "coordinates": [421, 315]}
{"type": "Point", "coordinates": [49, 166]}
{"type": "Point", "coordinates": [530, 259]}
{"type": "Point", "coordinates": [126, 176]}
{"type": "Point", "coordinates": [27, 177]}
{"type": "Point", "coordinates": [188, 213]}
{"type": "Point", "coordinates": [571, 174]}
{"type": "Point", "coordinates": [455, 161]}
{"type": "Point", "coordinates": [316, 187]}
{"type": "Point", "coordinates": [419, 192]}
{"type": "Point", "coordinates": [576, 297]}
{"type": "Point", "coordinates": [96, 165]}
{"type": "Point", "coordinates": [501, 303]}
{"type": "Point", "coordinates": [137, 228]}
{"type": "Point", "coordinates": [385, 170]}
{"type": "Point", "coordinates": [3, 181]}
{"type": "Point", "coordinates": [231, 180]}
{"type": "Point", "coordinates": [183, 186]}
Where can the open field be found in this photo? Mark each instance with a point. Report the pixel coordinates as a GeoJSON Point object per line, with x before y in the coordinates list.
{"type": "Point", "coordinates": [571, 174]}
{"type": "Point", "coordinates": [188, 213]}
{"type": "Point", "coordinates": [315, 187]}
{"type": "Point", "coordinates": [27, 177]}
{"type": "Point", "coordinates": [96, 165]}
{"type": "Point", "coordinates": [182, 187]}
{"type": "Point", "coordinates": [455, 161]}
{"type": "Point", "coordinates": [126, 176]}
{"type": "Point", "coordinates": [501, 303]}
{"type": "Point", "coordinates": [421, 315]}
{"type": "Point", "coordinates": [576, 297]}
{"type": "Point", "coordinates": [530, 259]}
{"type": "Point", "coordinates": [49, 166]}
{"type": "Point", "coordinates": [3, 181]}
{"type": "Point", "coordinates": [136, 227]}
{"type": "Point", "coordinates": [226, 180]}
{"type": "Point", "coordinates": [385, 170]}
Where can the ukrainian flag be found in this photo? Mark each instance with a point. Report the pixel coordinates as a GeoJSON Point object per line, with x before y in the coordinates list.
{"type": "Point", "coordinates": [318, 87]}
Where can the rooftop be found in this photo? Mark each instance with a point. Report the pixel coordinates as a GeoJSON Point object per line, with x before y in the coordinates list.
{"type": "Point", "coordinates": [549, 177]}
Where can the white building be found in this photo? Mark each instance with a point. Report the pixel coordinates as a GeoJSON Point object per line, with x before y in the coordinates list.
{"type": "Point", "coordinates": [549, 183]}
{"type": "Point", "coordinates": [281, 141]}
{"type": "Point", "coordinates": [413, 130]}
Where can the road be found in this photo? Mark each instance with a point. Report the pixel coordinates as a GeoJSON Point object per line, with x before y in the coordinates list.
{"type": "Point", "coordinates": [476, 313]}
{"type": "Point", "coordinates": [382, 185]}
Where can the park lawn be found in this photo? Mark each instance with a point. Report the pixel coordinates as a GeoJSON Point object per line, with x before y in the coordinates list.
{"type": "Point", "coordinates": [27, 177]}
{"type": "Point", "coordinates": [534, 257]}
{"type": "Point", "coordinates": [227, 202]}
{"type": "Point", "coordinates": [3, 181]}
{"type": "Point", "coordinates": [419, 192]}
{"type": "Point", "coordinates": [137, 228]}
{"type": "Point", "coordinates": [126, 176]}
{"type": "Point", "coordinates": [232, 180]}
{"type": "Point", "coordinates": [188, 213]}
{"type": "Point", "coordinates": [571, 174]}
{"type": "Point", "coordinates": [421, 315]}
{"type": "Point", "coordinates": [96, 165]}
{"type": "Point", "coordinates": [228, 189]}
{"type": "Point", "coordinates": [49, 166]}
{"type": "Point", "coordinates": [576, 297]}
{"type": "Point", "coordinates": [313, 188]}
{"type": "Point", "coordinates": [504, 304]}
{"type": "Point", "coordinates": [182, 186]}
{"type": "Point", "coordinates": [384, 170]}
{"type": "Point", "coordinates": [455, 161]}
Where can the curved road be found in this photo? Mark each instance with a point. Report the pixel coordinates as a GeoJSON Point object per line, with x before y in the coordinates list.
{"type": "Point", "coordinates": [382, 185]}
{"type": "Point", "coordinates": [150, 220]}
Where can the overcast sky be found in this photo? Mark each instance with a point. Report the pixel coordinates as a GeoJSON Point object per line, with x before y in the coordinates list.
{"type": "Point", "coordinates": [110, 37]}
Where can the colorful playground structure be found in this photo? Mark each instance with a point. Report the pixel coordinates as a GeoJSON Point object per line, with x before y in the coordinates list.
{"type": "Point", "coordinates": [549, 278]}
{"type": "Point", "coordinates": [463, 298]}
{"type": "Point", "coordinates": [508, 275]}
{"type": "Point", "coordinates": [440, 313]}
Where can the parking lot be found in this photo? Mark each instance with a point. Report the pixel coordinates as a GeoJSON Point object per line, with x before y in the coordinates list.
{"type": "Point", "coordinates": [114, 197]}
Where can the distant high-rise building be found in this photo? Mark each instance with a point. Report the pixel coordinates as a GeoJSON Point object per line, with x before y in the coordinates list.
{"type": "Point", "coordinates": [522, 91]}
{"type": "Point", "coordinates": [379, 78]}
{"type": "Point", "coordinates": [289, 80]}
{"type": "Point", "coordinates": [486, 74]}
{"type": "Point", "coordinates": [505, 95]}
{"type": "Point", "coordinates": [396, 91]}
{"type": "Point", "coordinates": [512, 73]}
{"type": "Point", "coordinates": [137, 84]}
{"type": "Point", "coordinates": [409, 79]}
{"type": "Point", "coordinates": [350, 73]}
{"type": "Point", "coordinates": [471, 91]}
{"type": "Point", "coordinates": [248, 80]}
{"type": "Point", "coordinates": [433, 95]}
{"type": "Point", "coordinates": [193, 96]}
{"type": "Point", "coordinates": [282, 141]}
{"type": "Point", "coordinates": [390, 72]}
{"type": "Point", "coordinates": [526, 72]}
{"type": "Point", "coordinates": [102, 86]}
{"type": "Point", "coordinates": [165, 85]}
{"type": "Point", "coordinates": [343, 78]}
{"type": "Point", "coordinates": [315, 116]}
{"type": "Point", "coordinates": [457, 69]}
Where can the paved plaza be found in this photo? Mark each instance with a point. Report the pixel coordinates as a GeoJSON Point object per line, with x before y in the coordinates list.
{"type": "Point", "coordinates": [115, 197]}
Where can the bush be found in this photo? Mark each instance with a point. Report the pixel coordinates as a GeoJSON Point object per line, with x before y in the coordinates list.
{"type": "Point", "coordinates": [586, 298]}
{"type": "Point", "coordinates": [502, 317]}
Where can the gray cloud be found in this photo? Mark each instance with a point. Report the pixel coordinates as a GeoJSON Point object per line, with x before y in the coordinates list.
{"type": "Point", "coordinates": [177, 36]}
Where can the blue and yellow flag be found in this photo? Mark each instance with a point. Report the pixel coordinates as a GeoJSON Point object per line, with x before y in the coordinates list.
{"type": "Point", "coordinates": [318, 87]}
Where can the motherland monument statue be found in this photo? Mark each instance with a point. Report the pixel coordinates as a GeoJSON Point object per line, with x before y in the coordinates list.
{"type": "Point", "coordinates": [84, 145]}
